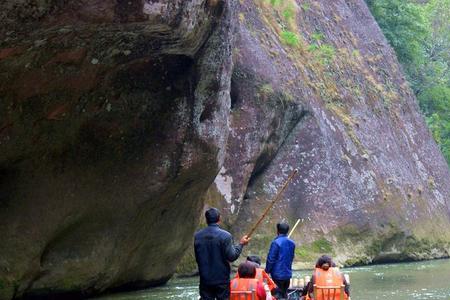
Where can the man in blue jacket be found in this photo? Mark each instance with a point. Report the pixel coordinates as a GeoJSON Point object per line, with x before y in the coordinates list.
{"type": "Point", "coordinates": [280, 257]}
{"type": "Point", "coordinates": [214, 250]}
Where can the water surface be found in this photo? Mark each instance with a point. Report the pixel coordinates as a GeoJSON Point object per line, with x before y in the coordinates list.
{"type": "Point", "coordinates": [405, 281]}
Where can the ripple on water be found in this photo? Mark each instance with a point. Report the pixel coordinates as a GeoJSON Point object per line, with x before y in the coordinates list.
{"type": "Point", "coordinates": [406, 281]}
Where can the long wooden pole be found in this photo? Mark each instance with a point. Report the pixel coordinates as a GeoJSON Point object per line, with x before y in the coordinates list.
{"type": "Point", "coordinates": [293, 228]}
{"type": "Point", "coordinates": [269, 207]}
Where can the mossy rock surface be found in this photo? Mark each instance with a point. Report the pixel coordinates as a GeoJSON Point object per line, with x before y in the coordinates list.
{"type": "Point", "coordinates": [112, 124]}
{"type": "Point", "coordinates": [311, 93]}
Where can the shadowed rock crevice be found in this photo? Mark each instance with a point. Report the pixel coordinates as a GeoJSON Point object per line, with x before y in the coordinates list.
{"type": "Point", "coordinates": [263, 117]}
{"type": "Point", "coordinates": [7, 179]}
{"type": "Point", "coordinates": [268, 153]}
{"type": "Point", "coordinates": [234, 92]}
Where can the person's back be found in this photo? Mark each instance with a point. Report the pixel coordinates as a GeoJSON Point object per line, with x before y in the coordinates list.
{"type": "Point", "coordinates": [280, 258]}
{"type": "Point", "coordinates": [244, 288]}
{"type": "Point", "coordinates": [281, 264]}
{"type": "Point", "coordinates": [245, 285]}
{"type": "Point", "coordinates": [326, 276]}
{"type": "Point", "coordinates": [212, 259]}
{"type": "Point", "coordinates": [214, 250]}
{"type": "Point", "coordinates": [261, 274]}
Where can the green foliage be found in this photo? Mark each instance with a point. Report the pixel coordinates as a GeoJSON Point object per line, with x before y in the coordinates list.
{"type": "Point", "coordinates": [403, 24]}
{"type": "Point", "coordinates": [289, 12]}
{"type": "Point", "coordinates": [356, 53]}
{"type": "Point", "coordinates": [357, 261]}
{"type": "Point", "coordinates": [440, 128]}
{"type": "Point", "coordinates": [306, 6]}
{"type": "Point", "coordinates": [435, 99]}
{"type": "Point", "coordinates": [287, 97]}
{"type": "Point", "coordinates": [290, 38]}
{"type": "Point", "coordinates": [419, 32]}
{"type": "Point", "coordinates": [317, 36]}
{"type": "Point", "coordinates": [266, 89]}
{"type": "Point", "coordinates": [275, 2]}
{"type": "Point", "coordinates": [314, 250]}
{"type": "Point", "coordinates": [325, 53]}
{"type": "Point", "coordinates": [322, 245]}
{"type": "Point", "coordinates": [304, 253]}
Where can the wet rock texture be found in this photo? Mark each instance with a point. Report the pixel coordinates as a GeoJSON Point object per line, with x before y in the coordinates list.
{"type": "Point", "coordinates": [116, 117]}
{"type": "Point", "coordinates": [316, 87]}
{"type": "Point", "coordinates": [113, 120]}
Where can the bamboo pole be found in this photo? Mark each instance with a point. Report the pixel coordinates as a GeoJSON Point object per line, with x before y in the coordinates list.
{"type": "Point", "coordinates": [347, 278]}
{"type": "Point", "coordinates": [293, 228]}
{"type": "Point", "coordinates": [272, 203]}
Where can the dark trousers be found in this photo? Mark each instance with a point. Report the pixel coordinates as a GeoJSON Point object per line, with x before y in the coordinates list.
{"type": "Point", "coordinates": [283, 286]}
{"type": "Point", "coordinates": [213, 292]}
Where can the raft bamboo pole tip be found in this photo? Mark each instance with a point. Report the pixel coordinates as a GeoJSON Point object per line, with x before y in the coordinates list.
{"type": "Point", "coordinates": [277, 197]}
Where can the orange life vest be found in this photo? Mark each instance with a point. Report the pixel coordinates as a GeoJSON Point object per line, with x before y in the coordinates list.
{"type": "Point", "coordinates": [330, 277]}
{"type": "Point", "coordinates": [240, 286]}
{"type": "Point", "coordinates": [259, 274]}
{"type": "Point", "coordinates": [263, 277]}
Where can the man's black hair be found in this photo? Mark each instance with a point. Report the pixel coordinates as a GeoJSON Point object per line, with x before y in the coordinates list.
{"type": "Point", "coordinates": [247, 270]}
{"type": "Point", "coordinates": [212, 215]}
{"type": "Point", "coordinates": [282, 228]}
{"type": "Point", "coordinates": [255, 259]}
{"type": "Point", "coordinates": [324, 262]}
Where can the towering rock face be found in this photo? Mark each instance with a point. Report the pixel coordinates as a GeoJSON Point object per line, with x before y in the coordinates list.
{"type": "Point", "coordinates": [113, 122]}
{"type": "Point", "coordinates": [316, 87]}
{"type": "Point", "coordinates": [116, 117]}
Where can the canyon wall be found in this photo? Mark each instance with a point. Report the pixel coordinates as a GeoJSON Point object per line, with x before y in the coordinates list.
{"type": "Point", "coordinates": [120, 119]}
{"type": "Point", "coordinates": [316, 87]}
{"type": "Point", "coordinates": [113, 121]}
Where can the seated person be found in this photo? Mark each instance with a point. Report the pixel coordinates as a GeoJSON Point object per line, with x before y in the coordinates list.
{"type": "Point", "coordinates": [247, 282]}
{"type": "Point", "coordinates": [261, 274]}
{"type": "Point", "coordinates": [326, 274]}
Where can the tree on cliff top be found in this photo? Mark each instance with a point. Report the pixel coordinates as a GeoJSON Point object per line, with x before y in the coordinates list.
{"type": "Point", "coordinates": [420, 35]}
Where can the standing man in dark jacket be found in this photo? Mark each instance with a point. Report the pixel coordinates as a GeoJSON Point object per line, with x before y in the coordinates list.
{"type": "Point", "coordinates": [214, 250]}
{"type": "Point", "coordinates": [280, 257]}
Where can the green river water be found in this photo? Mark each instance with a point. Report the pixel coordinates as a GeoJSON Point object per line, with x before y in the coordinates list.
{"type": "Point", "coordinates": [403, 281]}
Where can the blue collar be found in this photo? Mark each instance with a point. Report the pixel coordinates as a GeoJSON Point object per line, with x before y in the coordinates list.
{"type": "Point", "coordinates": [213, 225]}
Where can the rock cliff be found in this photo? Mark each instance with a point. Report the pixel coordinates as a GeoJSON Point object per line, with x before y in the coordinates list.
{"type": "Point", "coordinates": [316, 87]}
{"type": "Point", "coordinates": [113, 120]}
{"type": "Point", "coordinates": [116, 117]}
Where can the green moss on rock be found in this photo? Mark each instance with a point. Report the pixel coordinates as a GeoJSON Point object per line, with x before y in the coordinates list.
{"type": "Point", "coordinates": [6, 289]}
{"type": "Point", "coordinates": [310, 252]}
{"type": "Point", "coordinates": [187, 265]}
{"type": "Point", "coordinates": [357, 261]}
